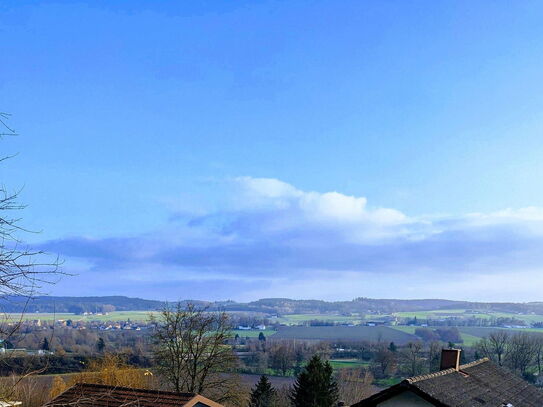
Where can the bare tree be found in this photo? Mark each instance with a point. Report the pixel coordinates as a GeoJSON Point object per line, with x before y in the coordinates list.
{"type": "Point", "coordinates": [191, 352]}
{"type": "Point", "coordinates": [538, 346]}
{"type": "Point", "coordinates": [283, 357]}
{"type": "Point", "coordinates": [412, 357]}
{"type": "Point", "coordinates": [385, 361]}
{"type": "Point", "coordinates": [23, 270]}
{"type": "Point", "coordinates": [434, 356]}
{"type": "Point", "coordinates": [495, 346]}
{"type": "Point", "coordinates": [354, 385]}
{"type": "Point", "coordinates": [521, 352]}
{"type": "Point", "coordinates": [30, 390]}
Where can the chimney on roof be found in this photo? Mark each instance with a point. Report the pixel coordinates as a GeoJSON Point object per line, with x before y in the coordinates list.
{"type": "Point", "coordinates": [450, 359]}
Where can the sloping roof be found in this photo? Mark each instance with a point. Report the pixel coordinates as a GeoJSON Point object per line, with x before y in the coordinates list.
{"type": "Point", "coordinates": [480, 383]}
{"type": "Point", "coordinates": [99, 395]}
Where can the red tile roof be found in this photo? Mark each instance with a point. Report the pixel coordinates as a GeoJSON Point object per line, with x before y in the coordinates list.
{"type": "Point", "coordinates": [110, 396]}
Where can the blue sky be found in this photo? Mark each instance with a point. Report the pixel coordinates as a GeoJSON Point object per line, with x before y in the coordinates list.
{"type": "Point", "coordinates": [312, 149]}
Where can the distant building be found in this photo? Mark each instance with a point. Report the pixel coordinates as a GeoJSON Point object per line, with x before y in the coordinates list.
{"type": "Point", "coordinates": [375, 323]}
{"type": "Point", "coordinates": [24, 352]}
{"type": "Point", "coordinates": [480, 383]}
{"type": "Point", "coordinates": [88, 395]}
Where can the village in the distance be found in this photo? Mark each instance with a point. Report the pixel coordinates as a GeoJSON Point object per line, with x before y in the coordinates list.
{"type": "Point", "coordinates": [385, 339]}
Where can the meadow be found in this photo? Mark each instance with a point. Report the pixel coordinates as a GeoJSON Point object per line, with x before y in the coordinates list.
{"type": "Point", "coordinates": [466, 313]}
{"type": "Point", "coordinates": [298, 319]}
{"type": "Point", "coordinates": [136, 316]}
{"type": "Point", "coordinates": [348, 363]}
{"type": "Point", "coordinates": [469, 339]}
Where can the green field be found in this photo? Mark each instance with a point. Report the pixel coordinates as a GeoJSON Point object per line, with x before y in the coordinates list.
{"type": "Point", "coordinates": [465, 313]}
{"type": "Point", "coordinates": [293, 319]}
{"type": "Point", "coordinates": [137, 316]}
{"type": "Point", "coordinates": [469, 340]}
{"type": "Point", "coordinates": [348, 363]}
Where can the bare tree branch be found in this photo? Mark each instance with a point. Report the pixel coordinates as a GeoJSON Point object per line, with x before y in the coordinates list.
{"type": "Point", "coordinates": [191, 350]}
{"type": "Point", "coordinates": [23, 270]}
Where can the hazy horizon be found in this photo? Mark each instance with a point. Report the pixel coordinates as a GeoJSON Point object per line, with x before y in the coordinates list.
{"type": "Point", "coordinates": [246, 150]}
{"type": "Point", "coordinates": [189, 299]}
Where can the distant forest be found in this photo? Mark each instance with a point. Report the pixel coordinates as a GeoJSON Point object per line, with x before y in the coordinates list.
{"type": "Point", "coordinates": [268, 306]}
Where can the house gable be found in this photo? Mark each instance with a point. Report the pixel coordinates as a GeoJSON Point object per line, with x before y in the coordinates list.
{"type": "Point", "coordinates": [405, 399]}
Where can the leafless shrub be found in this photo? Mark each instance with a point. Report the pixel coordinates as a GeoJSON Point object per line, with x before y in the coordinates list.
{"type": "Point", "coordinates": [354, 385]}
{"type": "Point", "coordinates": [494, 346]}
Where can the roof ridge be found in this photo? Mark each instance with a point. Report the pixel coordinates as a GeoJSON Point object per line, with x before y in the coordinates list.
{"type": "Point", "coordinates": [474, 363]}
{"type": "Point", "coordinates": [415, 379]}
{"type": "Point", "coordinates": [135, 389]}
{"type": "Point", "coordinates": [419, 378]}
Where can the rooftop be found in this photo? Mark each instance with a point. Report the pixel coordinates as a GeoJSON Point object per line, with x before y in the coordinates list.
{"type": "Point", "coordinates": [480, 383]}
{"type": "Point", "coordinates": [111, 396]}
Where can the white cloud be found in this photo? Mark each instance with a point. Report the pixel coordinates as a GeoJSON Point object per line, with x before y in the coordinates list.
{"type": "Point", "coordinates": [287, 207]}
{"type": "Point", "coordinates": [273, 239]}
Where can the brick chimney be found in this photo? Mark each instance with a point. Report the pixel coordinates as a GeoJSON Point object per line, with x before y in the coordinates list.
{"type": "Point", "coordinates": [450, 358]}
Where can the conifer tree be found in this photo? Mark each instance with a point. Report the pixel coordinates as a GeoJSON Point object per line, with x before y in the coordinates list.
{"type": "Point", "coordinates": [100, 345]}
{"type": "Point", "coordinates": [392, 347]}
{"type": "Point", "coordinates": [263, 395]}
{"type": "Point", "coordinates": [315, 385]}
{"type": "Point", "coordinates": [45, 344]}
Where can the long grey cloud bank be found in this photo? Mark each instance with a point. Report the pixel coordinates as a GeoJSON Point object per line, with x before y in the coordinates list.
{"type": "Point", "coordinates": [270, 239]}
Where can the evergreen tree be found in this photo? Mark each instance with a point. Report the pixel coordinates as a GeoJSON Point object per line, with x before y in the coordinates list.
{"type": "Point", "coordinates": [315, 386]}
{"type": "Point", "coordinates": [263, 395]}
{"type": "Point", "coordinates": [261, 336]}
{"type": "Point", "coordinates": [392, 347]}
{"type": "Point", "coordinates": [100, 345]}
{"type": "Point", "coordinates": [45, 344]}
